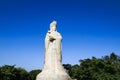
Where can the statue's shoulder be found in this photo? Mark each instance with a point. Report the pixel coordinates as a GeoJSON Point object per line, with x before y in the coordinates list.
{"type": "Point", "coordinates": [59, 34]}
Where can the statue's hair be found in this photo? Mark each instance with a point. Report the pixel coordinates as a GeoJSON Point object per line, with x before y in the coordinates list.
{"type": "Point", "coordinates": [53, 23]}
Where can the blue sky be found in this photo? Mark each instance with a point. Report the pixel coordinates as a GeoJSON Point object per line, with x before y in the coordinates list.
{"type": "Point", "coordinates": [89, 28]}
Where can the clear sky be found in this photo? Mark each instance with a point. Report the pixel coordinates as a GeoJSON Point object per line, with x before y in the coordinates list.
{"type": "Point", "coordinates": [89, 28]}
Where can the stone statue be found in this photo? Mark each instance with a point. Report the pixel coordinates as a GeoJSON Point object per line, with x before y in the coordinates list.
{"type": "Point", "coordinates": [53, 69]}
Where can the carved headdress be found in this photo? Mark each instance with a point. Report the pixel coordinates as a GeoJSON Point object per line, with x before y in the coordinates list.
{"type": "Point", "coordinates": [53, 23]}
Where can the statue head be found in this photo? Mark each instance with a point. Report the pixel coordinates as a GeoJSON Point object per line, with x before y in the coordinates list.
{"type": "Point", "coordinates": [53, 26]}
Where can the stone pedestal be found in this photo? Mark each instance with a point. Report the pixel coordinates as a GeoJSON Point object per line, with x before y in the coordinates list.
{"type": "Point", "coordinates": [49, 75]}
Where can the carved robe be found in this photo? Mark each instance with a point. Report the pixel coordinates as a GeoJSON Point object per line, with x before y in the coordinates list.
{"type": "Point", "coordinates": [53, 57]}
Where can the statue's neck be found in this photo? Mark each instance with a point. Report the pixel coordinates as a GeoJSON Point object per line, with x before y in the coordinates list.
{"type": "Point", "coordinates": [52, 31]}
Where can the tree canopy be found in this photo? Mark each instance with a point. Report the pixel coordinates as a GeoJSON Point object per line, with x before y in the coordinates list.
{"type": "Point", "coordinates": [105, 68]}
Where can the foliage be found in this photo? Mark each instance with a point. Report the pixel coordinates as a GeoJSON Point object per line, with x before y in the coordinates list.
{"type": "Point", "coordinates": [8, 72]}
{"type": "Point", "coordinates": [33, 74]}
{"type": "Point", "coordinates": [105, 68]}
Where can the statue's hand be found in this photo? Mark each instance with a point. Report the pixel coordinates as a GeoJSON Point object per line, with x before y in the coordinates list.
{"type": "Point", "coordinates": [52, 35]}
{"type": "Point", "coordinates": [51, 38]}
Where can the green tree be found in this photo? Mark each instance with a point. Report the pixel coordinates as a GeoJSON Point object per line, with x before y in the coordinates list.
{"type": "Point", "coordinates": [7, 72]}
{"type": "Point", "coordinates": [21, 74]}
{"type": "Point", "coordinates": [33, 74]}
{"type": "Point", "coordinates": [68, 68]}
{"type": "Point", "coordinates": [105, 68]}
{"type": "Point", "coordinates": [75, 72]}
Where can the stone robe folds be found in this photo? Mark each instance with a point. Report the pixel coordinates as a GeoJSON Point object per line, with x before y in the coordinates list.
{"type": "Point", "coordinates": [53, 57]}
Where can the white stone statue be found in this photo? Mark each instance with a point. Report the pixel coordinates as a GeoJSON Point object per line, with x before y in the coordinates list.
{"type": "Point", "coordinates": [53, 69]}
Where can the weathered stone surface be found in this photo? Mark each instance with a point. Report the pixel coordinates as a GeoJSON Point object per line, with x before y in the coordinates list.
{"type": "Point", "coordinates": [53, 69]}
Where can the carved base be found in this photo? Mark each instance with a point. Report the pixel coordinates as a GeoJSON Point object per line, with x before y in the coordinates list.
{"type": "Point", "coordinates": [51, 75]}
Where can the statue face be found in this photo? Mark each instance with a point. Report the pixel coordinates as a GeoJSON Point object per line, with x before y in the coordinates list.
{"type": "Point", "coordinates": [53, 28]}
